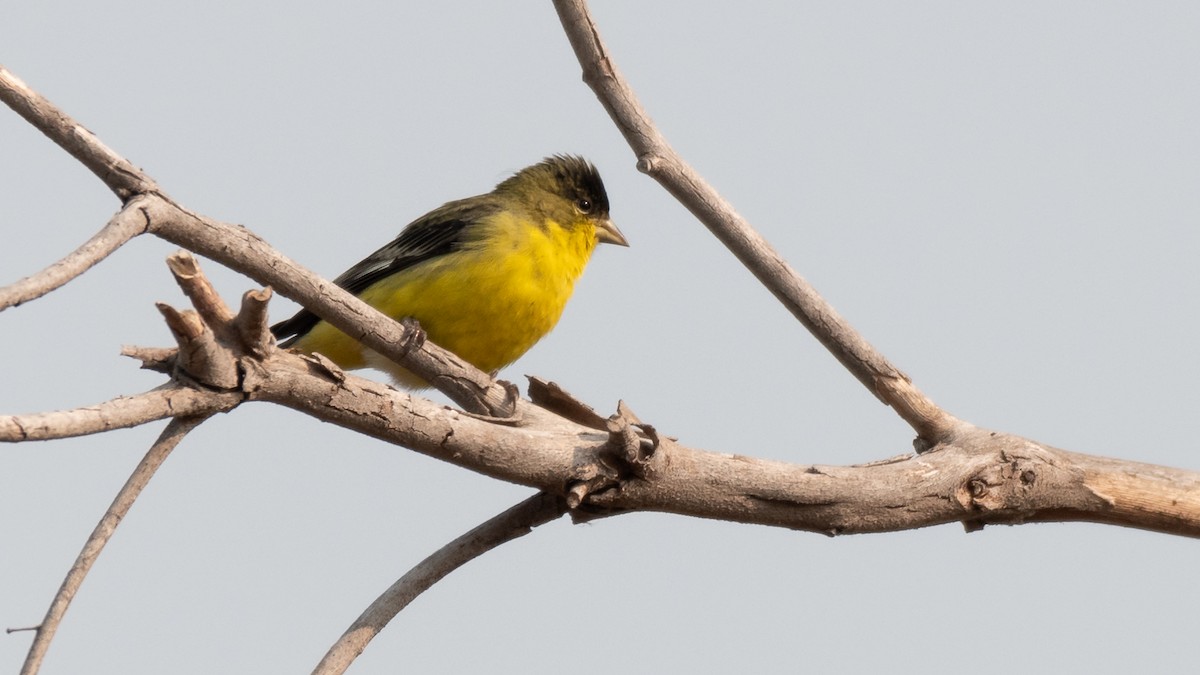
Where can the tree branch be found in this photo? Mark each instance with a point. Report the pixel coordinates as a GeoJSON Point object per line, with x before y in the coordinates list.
{"type": "Point", "coordinates": [581, 461]}
{"type": "Point", "coordinates": [241, 250]}
{"type": "Point", "coordinates": [982, 477]}
{"type": "Point", "coordinates": [122, 227]}
{"type": "Point", "coordinates": [122, 177]}
{"type": "Point", "coordinates": [657, 158]}
{"type": "Point", "coordinates": [511, 524]}
{"type": "Point", "coordinates": [170, 437]}
{"type": "Point", "coordinates": [627, 467]}
{"type": "Point", "coordinates": [169, 400]}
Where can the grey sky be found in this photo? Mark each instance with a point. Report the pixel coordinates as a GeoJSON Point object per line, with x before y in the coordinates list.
{"type": "Point", "coordinates": [1002, 197]}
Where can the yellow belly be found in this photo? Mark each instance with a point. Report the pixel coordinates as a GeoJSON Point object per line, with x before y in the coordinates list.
{"type": "Point", "coordinates": [488, 303]}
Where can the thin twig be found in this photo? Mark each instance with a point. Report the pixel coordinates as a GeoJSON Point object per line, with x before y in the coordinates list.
{"type": "Point", "coordinates": [657, 158]}
{"type": "Point", "coordinates": [515, 522]}
{"type": "Point", "coordinates": [122, 227]}
{"type": "Point", "coordinates": [170, 437]}
{"type": "Point", "coordinates": [123, 412]}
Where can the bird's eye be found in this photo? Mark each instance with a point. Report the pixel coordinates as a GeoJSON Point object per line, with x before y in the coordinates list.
{"type": "Point", "coordinates": [584, 205]}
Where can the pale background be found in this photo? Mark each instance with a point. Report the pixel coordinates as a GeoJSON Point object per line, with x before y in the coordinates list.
{"type": "Point", "coordinates": [1001, 196]}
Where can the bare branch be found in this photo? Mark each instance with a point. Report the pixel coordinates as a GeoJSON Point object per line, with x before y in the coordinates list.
{"type": "Point", "coordinates": [158, 359]}
{"type": "Point", "coordinates": [122, 227]}
{"type": "Point", "coordinates": [252, 322]}
{"type": "Point", "coordinates": [170, 437]}
{"type": "Point", "coordinates": [199, 291]}
{"type": "Point", "coordinates": [170, 400]}
{"type": "Point", "coordinates": [118, 174]}
{"type": "Point", "coordinates": [657, 158]}
{"type": "Point", "coordinates": [979, 477]}
{"type": "Point", "coordinates": [241, 250]}
{"type": "Point", "coordinates": [982, 477]}
{"type": "Point", "coordinates": [1144, 496]}
{"type": "Point", "coordinates": [515, 522]}
{"type": "Point", "coordinates": [579, 460]}
{"type": "Point", "coordinates": [970, 478]}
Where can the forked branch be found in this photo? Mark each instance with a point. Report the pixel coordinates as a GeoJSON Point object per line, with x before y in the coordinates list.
{"type": "Point", "coordinates": [147, 208]}
{"type": "Point", "coordinates": [980, 477]}
{"type": "Point", "coordinates": [578, 460]}
{"type": "Point", "coordinates": [657, 158]}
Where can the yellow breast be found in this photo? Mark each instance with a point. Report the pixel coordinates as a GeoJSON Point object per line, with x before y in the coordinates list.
{"type": "Point", "coordinates": [489, 302]}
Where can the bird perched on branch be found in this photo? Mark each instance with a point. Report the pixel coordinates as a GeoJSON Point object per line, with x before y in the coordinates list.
{"type": "Point", "coordinates": [486, 277]}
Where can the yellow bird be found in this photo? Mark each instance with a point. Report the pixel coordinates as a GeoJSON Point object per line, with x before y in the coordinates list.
{"type": "Point", "coordinates": [486, 276]}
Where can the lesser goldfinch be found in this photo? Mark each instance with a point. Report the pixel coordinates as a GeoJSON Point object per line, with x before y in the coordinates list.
{"type": "Point", "coordinates": [486, 276]}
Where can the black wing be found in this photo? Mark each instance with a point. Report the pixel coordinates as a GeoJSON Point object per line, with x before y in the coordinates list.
{"type": "Point", "coordinates": [441, 231]}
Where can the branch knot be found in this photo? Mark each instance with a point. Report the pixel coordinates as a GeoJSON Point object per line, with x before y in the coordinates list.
{"type": "Point", "coordinates": [629, 453]}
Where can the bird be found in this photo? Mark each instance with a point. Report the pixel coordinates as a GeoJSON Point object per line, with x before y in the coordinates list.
{"type": "Point", "coordinates": [485, 277]}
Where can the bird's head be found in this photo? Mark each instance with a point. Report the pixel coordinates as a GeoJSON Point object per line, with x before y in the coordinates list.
{"type": "Point", "coordinates": [566, 189]}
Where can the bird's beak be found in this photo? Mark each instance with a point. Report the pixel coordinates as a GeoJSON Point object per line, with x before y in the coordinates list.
{"type": "Point", "coordinates": [608, 233]}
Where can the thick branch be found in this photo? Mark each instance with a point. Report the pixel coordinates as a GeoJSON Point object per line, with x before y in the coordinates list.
{"type": "Point", "coordinates": [982, 477]}
{"type": "Point", "coordinates": [978, 477]}
{"type": "Point", "coordinates": [1144, 496]}
{"type": "Point", "coordinates": [511, 524]}
{"type": "Point", "coordinates": [615, 470]}
{"type": "Point", "coordinates": [657, 158]}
